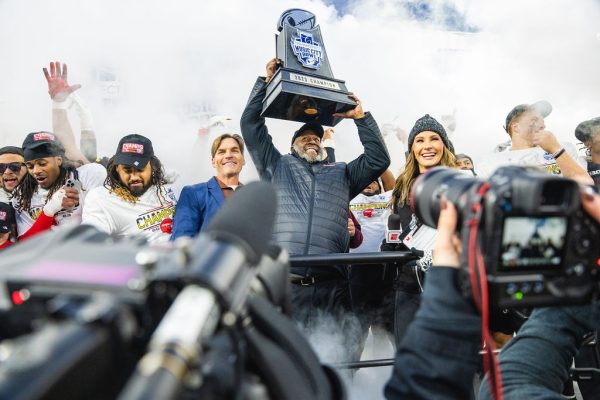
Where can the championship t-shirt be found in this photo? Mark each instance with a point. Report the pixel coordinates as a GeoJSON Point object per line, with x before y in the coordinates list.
{"type": "Point", "coordinates": [372, 213]}
{"type": "Point", "coordinates": [90, 176]}
{"type": "Point", "coordinates": [151, 216]}
{"type": "Point", "coordinates": [533, 157]}
{"type": "Point", "coordinates": [4, 196]}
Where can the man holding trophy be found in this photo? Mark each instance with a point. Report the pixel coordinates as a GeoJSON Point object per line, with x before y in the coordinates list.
{"type": "Point", "coordinates": [313, 194]}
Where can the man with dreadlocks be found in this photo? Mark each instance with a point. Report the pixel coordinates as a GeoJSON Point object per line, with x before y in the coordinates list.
{"type": "Point", "coordinates": [52, 172]}
{"type": "Point", "coordinates": [134, 200]}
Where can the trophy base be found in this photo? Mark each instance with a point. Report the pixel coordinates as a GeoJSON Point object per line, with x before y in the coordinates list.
{"type": "Point", "coordinates": [301, 97]}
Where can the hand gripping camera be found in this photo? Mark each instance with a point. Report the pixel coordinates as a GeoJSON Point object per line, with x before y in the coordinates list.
{"type": "Point", "coordinates": [528, 229]}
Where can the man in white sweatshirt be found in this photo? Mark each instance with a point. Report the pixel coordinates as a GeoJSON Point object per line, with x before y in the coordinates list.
{"type": "Point", "coordinates": [135, 199]}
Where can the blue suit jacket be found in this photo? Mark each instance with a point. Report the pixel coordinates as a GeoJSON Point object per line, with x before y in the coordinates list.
{"type": "Point", "coordinates": [196, 206]}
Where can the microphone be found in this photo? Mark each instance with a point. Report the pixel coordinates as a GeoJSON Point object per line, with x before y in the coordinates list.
{"type": "Point", "coordinates": [219, 277]}
{"type": "Point", "coordinates": [236, 238]}
{"type": "Point", "coordinates": [247, 219]}
{"type": "Point", "coordinates": [393, 231]}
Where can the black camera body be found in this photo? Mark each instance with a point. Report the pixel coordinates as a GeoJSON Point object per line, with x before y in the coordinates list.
{"type": "Point", "coordinates": [538, 245]}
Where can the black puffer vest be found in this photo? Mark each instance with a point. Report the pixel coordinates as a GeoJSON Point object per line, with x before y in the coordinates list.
{"type": "Point", "coordinates": [313, 206]}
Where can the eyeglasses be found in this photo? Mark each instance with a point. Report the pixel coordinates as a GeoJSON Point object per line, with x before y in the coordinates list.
{"type": "Point", "coordinates": [13, 166]}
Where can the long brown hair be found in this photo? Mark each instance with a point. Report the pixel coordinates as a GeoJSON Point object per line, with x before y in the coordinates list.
{"type": "Point", "coordinates": [114, 185]}
{"type": "Point", "coordinates": [401, 191]}
{"type": "Point", "coordinates": [24, 192]}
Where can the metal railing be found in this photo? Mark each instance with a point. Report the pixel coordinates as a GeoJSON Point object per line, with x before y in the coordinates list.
{"type": "Point", "coordinates": [351, 258]}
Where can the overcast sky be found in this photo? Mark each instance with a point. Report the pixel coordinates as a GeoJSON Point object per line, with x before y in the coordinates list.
{"type": "Point", "coordinates": [171, 57]}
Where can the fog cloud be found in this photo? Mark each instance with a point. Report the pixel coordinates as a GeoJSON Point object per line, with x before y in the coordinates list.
{"type": "Point", "coordinates": [173, 63]}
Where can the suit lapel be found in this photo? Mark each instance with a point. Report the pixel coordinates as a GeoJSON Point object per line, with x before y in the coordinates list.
{"type": "Point", "coordinates": [215, 191]}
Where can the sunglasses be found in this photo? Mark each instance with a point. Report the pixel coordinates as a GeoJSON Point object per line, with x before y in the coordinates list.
{"type": "Point", "coordinates": [13, 166]}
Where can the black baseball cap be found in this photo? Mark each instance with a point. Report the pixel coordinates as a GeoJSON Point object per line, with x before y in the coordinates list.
{"type": "Point", "coordinates": [542, 106]}
{"type": "Point", "coordinates": [42, 144]}
{"type": "Point", "coordinates": [11, 150]}
{"type": "Point", "coordinates": [587, 129]}
{"type": "Point", "coordinates": [313, 126]}
{"type": "Point", "coordinates": [6, 217]}
{"type": "Point", "coordinates": [134, 151]}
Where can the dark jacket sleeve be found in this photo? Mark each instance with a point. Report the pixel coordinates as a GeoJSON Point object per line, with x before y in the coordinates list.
{"type": "Point", "coordinates": [256, 135]}
{"type": "Point", "coordinates": [375, 159]}
{"type": "Point", "coordinates": [357, 239]}
{"type": "Point", "coordinates": [535, 363]}
{"type": "Point", "coordinates": [438, 356]}
{"type": "Point", "coordinates": [330, 154]}
{"type": "Point", "coordinates": [189, 214]}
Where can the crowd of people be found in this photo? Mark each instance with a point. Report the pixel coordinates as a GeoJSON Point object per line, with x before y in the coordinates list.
{"type": "Point", "coordinates": [324, 206]}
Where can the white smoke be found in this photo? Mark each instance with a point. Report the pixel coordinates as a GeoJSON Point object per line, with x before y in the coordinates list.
{"type": "Point", "coordinates": [169, 58]}
{"type": "Point", "coordinates": [163, 68]}
{"type": "Point", "coordinates": [337, 340]}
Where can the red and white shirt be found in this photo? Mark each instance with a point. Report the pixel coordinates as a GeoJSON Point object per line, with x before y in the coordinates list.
{"type": "Point", "coordinates": [90, 175]}
{"type": "Point", "coordinates": [150, 217]}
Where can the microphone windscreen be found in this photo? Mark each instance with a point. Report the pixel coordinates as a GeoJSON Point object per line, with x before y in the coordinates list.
{"type": "Point", "coordinates": [394, 222]}
{"type": "Point", "coordinates": [247, 219]}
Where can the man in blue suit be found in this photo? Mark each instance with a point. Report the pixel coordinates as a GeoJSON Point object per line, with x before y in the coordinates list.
{"type": "Point", "coordinates": [199, 203]}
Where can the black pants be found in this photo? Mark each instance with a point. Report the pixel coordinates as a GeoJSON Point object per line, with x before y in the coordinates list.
{"type": "Point", "coordinates": [407, 305]}
{"type": "Point", "coordinates": [372, 291]}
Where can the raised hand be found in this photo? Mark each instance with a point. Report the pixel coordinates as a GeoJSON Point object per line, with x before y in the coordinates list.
{"type": "Point", "coordinates": [547, 141]}
{"type": "Point", "coordinates": [272, 67]}
{"type": "Point", "coordinates": [71, 199]}
{"type": "Point", "coordinates": [58, 85]}
{"type": "Point", "coordinates": [356, 113]}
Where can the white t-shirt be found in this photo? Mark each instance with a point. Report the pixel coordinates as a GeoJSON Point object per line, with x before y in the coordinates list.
{"type": "Point", "coordinates": [4, 196]}
{"type": "Point", "coordinates": [372, 213]}
{"type": "Point", "coordinates": [90, 175]}
{"type": "Point", "coordinates": [532, 157]}
{"type": "Point", "coordinates": [149, 216]}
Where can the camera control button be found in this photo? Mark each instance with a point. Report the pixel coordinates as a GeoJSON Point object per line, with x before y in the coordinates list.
{"type": "Point", "coordinates": [525, 287]}
{"type": "Point", "coordinates": [511, 289]}
{"type": "Point", "coordinates": [538, 287]}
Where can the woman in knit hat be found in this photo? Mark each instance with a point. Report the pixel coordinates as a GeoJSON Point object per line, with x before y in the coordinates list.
{"type": "Point", "coordinates": [429, 147]}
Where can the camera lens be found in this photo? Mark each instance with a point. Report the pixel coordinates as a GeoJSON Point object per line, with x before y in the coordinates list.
{"type": "Point", "coordinates": [429, 188]}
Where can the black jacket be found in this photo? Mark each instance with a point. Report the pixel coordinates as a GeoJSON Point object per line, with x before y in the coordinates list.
{"type": "Point", "coordinates": [313, 197]}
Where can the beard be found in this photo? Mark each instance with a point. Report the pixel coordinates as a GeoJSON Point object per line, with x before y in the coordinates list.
{"type": "Point", "coordinates": [139, 192]}
{"type": "Point", "coordinates": [311, 158]}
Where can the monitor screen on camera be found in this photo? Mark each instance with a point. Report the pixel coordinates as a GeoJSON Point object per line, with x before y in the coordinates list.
{"type": "Point", "coordinates": [533, 242]}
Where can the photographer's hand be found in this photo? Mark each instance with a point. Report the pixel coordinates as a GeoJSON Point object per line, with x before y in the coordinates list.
{"type": "Point", "coordinates": [448, 246]}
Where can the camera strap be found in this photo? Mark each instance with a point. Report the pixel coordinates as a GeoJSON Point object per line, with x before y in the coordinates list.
{"type": "Point", "coordinates": [480, 288]}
